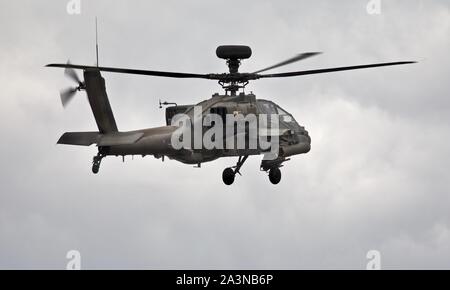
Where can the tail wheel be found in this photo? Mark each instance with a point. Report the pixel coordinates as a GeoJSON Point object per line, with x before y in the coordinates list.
{"type": "Point", "coordinates": [95, 168]}
{"type": "Point", "coordinates": [275, 175]}
{"type": "Point", "coordinates": [96, 164]}
{"type": "Point", "coordinates": [228, 176]}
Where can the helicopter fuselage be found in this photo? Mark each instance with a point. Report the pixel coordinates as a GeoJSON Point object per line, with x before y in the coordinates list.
{"type": "Point", "coordinates": [292, 138]}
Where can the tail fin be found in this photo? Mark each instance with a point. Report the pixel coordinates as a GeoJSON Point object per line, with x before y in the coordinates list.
{"type": "Point", "coordinates": [98, 100]}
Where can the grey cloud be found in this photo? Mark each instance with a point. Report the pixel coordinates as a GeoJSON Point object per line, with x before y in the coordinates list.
{"type": "Point", "coordinates": [376, 177]}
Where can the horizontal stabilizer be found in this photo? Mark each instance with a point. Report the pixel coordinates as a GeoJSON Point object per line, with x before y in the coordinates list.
{"type": "Point", "coordinates": [89, 138]}
{"type": "Point", "coordinates": [79, 138]}
{"type": "Point", "coordinates": [119, 138]}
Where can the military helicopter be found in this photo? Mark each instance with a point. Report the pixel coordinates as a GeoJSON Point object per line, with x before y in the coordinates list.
{"type": "Point", "coordinates": [292, 138]}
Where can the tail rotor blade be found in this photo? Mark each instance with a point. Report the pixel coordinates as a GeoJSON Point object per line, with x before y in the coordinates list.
{"type": "Point", "coordinates": [67, 95]}
{"type": "Point", "coordinates": [71, 73]}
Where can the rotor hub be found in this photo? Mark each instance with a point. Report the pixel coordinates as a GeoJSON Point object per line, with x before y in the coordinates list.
{"type": "Point", "coordinates": [233, 55]}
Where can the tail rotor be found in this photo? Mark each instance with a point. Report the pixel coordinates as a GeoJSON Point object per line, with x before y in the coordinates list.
{"type": "Point", "coordinates": [68, 93]}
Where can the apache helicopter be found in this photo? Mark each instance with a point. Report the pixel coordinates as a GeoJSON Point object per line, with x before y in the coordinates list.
{"type": "Point", "coordinates": [293, 138]}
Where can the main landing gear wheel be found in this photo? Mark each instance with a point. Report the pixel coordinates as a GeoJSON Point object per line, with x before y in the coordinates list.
{"type": "Point", "coordinates": [275, 175]}
{"type": "Point", "coordinates": [229, 173]}
{"type": "Point", "coordinates": [228, 176]}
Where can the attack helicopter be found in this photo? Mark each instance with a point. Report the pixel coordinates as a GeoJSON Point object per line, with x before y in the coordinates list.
{"type": "Point", "coordinates": [292, 138]}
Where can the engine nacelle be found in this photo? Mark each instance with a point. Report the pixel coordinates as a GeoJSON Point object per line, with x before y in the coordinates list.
{"type": "Point", "coordinates": [173, 110]}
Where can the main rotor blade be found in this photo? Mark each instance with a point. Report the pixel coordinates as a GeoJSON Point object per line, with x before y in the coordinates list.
{"type": "Point", "coordinates": [335, 69]}
{"type": "Point", "coordinates": [133, 71]}
{"type": "Point", "coordinates": [298, 57]}
{"type": "Point", "coordinates": [67, 95]}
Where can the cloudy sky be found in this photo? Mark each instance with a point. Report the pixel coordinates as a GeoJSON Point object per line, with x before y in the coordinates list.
{"type": "Point", "coordinates": [376, 178]}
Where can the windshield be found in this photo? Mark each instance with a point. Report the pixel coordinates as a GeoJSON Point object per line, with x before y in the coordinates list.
{"type": "Point", "coordinates": [286, 119]}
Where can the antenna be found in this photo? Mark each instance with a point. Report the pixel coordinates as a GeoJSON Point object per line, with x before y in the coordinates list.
{"type": "Point", "coordinates": [96, 40]}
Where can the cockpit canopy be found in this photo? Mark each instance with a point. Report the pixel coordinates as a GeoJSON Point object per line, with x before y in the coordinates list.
{"type": "Point", "coordinates": [286, 120]}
